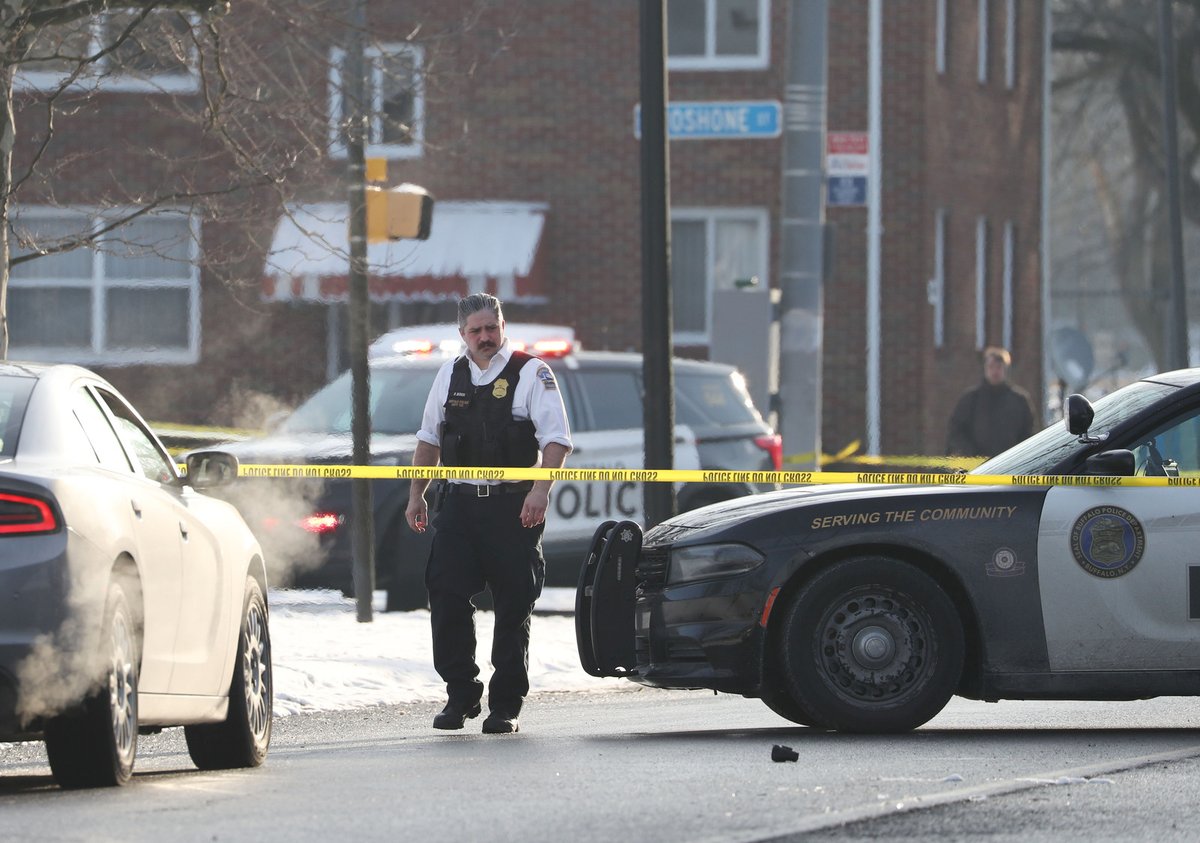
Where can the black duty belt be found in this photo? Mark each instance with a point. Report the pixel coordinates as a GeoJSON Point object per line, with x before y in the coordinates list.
{"type": "Point", "coordinates": [487, 490]}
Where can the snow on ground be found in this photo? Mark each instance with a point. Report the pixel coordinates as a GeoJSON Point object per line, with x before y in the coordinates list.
{"type": "Point", "coordinates": [326, 660]}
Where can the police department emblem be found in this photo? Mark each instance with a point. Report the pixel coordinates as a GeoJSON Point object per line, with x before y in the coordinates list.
{"type": "Point", "coordinates": [500, 388]}
{"type": "Point", "coordinates": [1107, 541]}
{"type": "Point", "coordinates": [1005, 563]}
{"type": "Point", "coordinates": [547, 378]}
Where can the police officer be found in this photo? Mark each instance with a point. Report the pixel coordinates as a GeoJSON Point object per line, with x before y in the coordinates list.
{"type": "Point", "coordinates": [490, 407]}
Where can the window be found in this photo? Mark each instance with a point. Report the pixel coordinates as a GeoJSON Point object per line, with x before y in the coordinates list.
{"type": "Point", "coordinates": [123, 51]}
{"type": "Point", "coordinates": [983, 42]}
{"type": "Point", "coordinates": [937, 284]}
{"type": "Point", "coordinates": [1010, 44]}
{"type": "Point", "coordinates": [940, 24]}
{"type": "Point", "coordinates": [134, 298]}
{"type": "Point", "coordinates": [980, 283]}
{"type": "Point", "coordinates": [151, 460]}
{"type": "Point", "coordinates": [395, 102]}
{"type": "Point", "coordinates": [718, 34]}
{"type": "Point", "coordinates": [1007, 281]}
{"type": "Point", "coordinates": [711, 250]}
{"type": "Point", "coordinates": [615, 398]}
{"type": "Point", "coordinates": [102, 441]}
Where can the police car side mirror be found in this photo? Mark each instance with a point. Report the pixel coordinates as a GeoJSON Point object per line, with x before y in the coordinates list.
{"type": "Point", "coordinates": [1116, 463]}
{"type": "Point", "coordinates": [1079, 414]}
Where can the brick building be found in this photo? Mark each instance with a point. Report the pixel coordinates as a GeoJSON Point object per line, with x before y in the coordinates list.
{"type": "Point", "coordinates": [520, 120]}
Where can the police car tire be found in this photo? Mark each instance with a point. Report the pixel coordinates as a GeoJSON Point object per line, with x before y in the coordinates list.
{"type": "Point", "coordinates": [244, 736]}
{"type": "Point", "coordinates": [872, 644]}
{"type": "Point", "coordinates": [96, 746]}
{"type": "Point", "coordinates": [777, 698]}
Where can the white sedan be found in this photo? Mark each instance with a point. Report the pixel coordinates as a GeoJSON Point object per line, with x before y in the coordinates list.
{"type": "Point", "coordinates": [128, 598]}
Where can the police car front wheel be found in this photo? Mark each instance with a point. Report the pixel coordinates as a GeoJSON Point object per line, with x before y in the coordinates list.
{"type": "Point", "coordinates": [871, 644]}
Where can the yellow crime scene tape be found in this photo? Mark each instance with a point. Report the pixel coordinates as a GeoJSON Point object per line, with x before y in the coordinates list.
{"type": "Point", "coordinates": [628, 475]}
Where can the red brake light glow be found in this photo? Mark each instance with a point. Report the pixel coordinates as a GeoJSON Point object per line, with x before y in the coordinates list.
{"type": "Point", "coordinates": [552, 348]}
{"type": "Point", "coordinates": [23, 515]}
{"type": "Point", "coordinates": [772, 443]}
{"type": "Point", "coordinates": [322, 522]}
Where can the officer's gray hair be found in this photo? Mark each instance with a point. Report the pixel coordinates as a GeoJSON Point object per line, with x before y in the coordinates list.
{"type": "Point", "coordinates": [476, 302]}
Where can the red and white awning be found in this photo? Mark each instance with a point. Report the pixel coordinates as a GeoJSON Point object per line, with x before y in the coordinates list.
{"type": "Point", "coordinates": [473, 247]}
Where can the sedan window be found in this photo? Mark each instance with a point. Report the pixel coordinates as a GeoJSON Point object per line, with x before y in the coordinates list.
{"type": "Point", "coordinates": [152, 462]}
{"type": "Point", "coordinates": [105, 445]}
{"type": "Point", "coordinates": [14, 396]}
{"type": "Point", "coordinates": [397, 403]}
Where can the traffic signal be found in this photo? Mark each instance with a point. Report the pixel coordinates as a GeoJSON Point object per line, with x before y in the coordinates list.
{"type": "Point", "coordinates": [404, 212]}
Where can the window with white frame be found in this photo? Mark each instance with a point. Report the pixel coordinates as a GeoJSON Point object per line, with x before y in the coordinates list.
{"type": "Point", "coordinates": [133, 298]}
{"type": "Point", "coordinates": [718, 34]}
{"type": "Point", "coordinates": [395, 103]}
{"type": "Point", "coordinates": [981, 243]}
{"type": "Point", "coordinates": [983, 41]}
{"type": "Point", "coordinates": [712, 249]}
{"type": "Point", "coordinates": [117, 50]}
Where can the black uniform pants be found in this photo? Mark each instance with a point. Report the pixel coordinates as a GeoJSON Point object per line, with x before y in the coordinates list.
{"type": "Point", "coordinates": [478, 541]}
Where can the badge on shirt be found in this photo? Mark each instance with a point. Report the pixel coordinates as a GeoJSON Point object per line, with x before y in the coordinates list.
{"type": "Point", "coordinates": [500, 388]}
{"type": "Point", "coordinates": [547, 378]}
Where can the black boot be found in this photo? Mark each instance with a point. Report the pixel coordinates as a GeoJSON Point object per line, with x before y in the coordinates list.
{"type": "Point", "coordinates": [453, 716]}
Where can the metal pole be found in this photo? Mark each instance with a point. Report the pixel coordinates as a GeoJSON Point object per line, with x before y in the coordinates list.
{"type": "Point", "coordinates": [362, 535]}
{"type": "Point", "coordinates": [659, 408]}
{"type": "Point", "coordinates": [875, 227]}
{"type": "Point", "coordinates": [802, 229]}
{"type": "Point", "coordinates": [1177, 326]}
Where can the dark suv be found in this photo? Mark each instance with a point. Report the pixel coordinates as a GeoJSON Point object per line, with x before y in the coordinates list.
{"type": "Point", "coordinates": [717, 428]}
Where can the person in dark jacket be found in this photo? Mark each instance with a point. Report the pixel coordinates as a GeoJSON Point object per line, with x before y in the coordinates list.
{"type": "Point", "coordinates": [993, 416]}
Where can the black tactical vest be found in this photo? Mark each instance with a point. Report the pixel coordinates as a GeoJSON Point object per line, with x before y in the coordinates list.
{"type": "Point", "coordinates": [479, 429]}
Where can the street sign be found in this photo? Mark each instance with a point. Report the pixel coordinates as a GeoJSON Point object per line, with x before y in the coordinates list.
{"type": "Point", "coordinates": [847, 168]}
{"type": "Point", "coordinates": [718, 120]}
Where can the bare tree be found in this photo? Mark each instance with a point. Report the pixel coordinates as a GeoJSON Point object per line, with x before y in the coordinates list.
{"type": "Point", "coordinates": [251, 134]}
{"type": "Point", "coordinates": [1108, 128]}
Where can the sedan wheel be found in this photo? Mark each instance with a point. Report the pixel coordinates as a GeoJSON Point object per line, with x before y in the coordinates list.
{"type": "Point", "coordinates": [96, 746]}
{"type": "Point", "coordinates": [243, 738]}
{"type": "Point", "coordinates": [872, 645]}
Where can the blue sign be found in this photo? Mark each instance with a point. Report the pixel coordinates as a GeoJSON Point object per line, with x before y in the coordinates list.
{"type": "Point", "coordinates": [718, 120]}
{"type": "Point", "coordinates": [846, 190]}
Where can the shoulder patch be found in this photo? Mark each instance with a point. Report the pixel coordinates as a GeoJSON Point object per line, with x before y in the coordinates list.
{"type": "Point", "coordinates": [547, 377]}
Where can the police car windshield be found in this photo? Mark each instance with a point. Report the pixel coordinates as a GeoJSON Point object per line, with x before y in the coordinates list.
{"type": "Point", "coordinates": [397, 403]}
{"type": "Point", "coordinates": [1044, 452]}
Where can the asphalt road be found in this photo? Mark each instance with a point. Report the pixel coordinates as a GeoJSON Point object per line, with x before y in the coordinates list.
{"type": "Point", "coordinates": [651, 765]}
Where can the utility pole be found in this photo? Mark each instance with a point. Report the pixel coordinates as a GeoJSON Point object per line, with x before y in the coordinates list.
{"type": "Point", "coordinates": [1177, 323]}
{"type": "Point", "coordinates": [802, 235]}
{"type": "Point", "coordinates": [363, 527]}
{"type": "Point", "coordinates": [659, 407]}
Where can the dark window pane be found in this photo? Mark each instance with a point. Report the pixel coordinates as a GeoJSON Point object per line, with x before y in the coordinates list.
{"type": "Point", "coordinates": [58, 49]}
{"type": "Point", "coordinates": [689, 276]}
{"type": "Point", "coordinates": [615, 398]}
{"type": "Point", "coordinates": [685, 27]}
{"type": "Point", "coordinates": [57, 317]}
{"type": "Point", "coordinates": [157, 45]}
{"type": "Point", "coordinates": [148, 318]}
{"type": "Point", "coordinates": [737, 27]}
{"type": "Point", "coordinates": [395, 77]}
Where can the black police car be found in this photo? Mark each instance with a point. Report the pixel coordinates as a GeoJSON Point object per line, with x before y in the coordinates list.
{"type": "Point", "coordinates": [305, 525]}
{"type": "Point", "coordinates": [865, 608]}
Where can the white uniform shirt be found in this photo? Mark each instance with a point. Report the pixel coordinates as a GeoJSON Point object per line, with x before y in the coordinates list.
{"type": "Point", "coordinates": [536, 397]}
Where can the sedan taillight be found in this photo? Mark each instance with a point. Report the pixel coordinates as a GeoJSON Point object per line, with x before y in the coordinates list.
{"type": "Point", "coordinates": [773, 444]}
{"type": "Point", "coordinates": [24, 515]}
{"type": "Point", "coordinates": [322, 522]}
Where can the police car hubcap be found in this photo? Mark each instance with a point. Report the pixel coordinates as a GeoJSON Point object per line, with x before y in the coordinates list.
{"type": "Point", "coordinates": [874, 645]}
